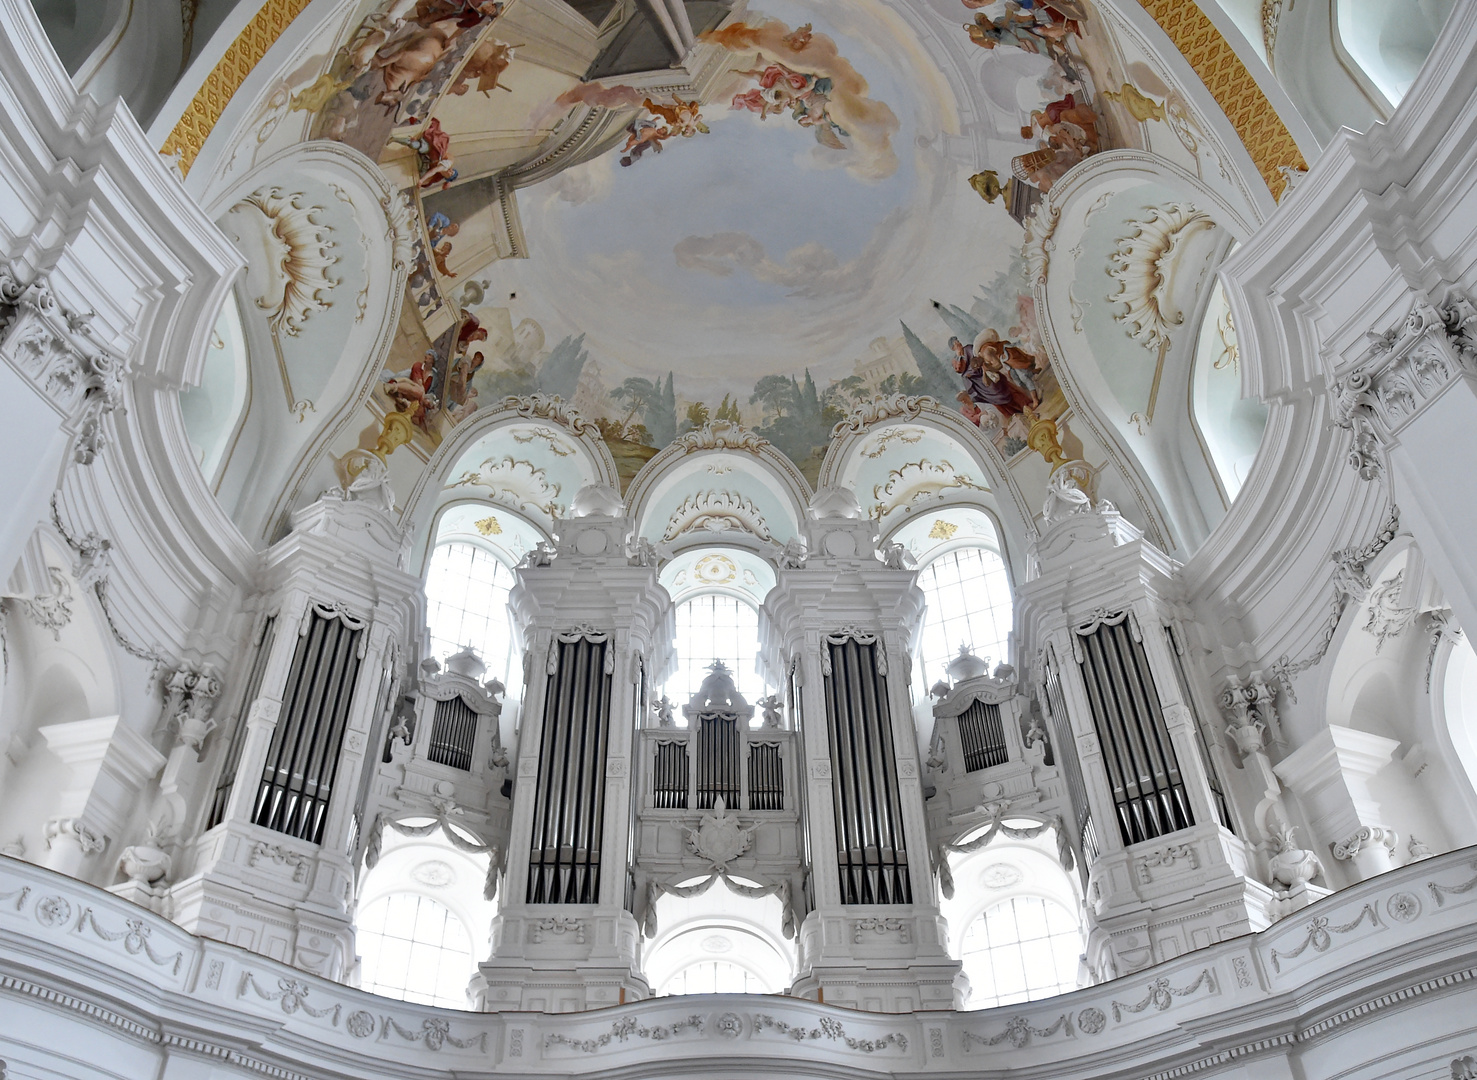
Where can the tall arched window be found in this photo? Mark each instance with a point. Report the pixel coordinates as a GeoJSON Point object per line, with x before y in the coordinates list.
{"type": "Point", "coordinates": [1022, 949]}
{"type": "Point", "coordinates": [415, 949]}
{"type": "Point", "coordinates": [969, 603]}
{"type": "Point", "coordinates": [467, 590]}
{"type": "Point", "coordinates": [715, 627]}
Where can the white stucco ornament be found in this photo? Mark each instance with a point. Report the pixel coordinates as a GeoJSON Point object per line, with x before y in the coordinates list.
{"type": "Point", "coordinates": [719, 837]}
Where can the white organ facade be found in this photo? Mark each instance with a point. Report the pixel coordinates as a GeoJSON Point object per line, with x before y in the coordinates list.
{"type": "Point", "coordinates": [470, 611]}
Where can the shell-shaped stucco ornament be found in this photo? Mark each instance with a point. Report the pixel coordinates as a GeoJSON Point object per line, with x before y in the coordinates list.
{"type": "Point", "coordinates": [289, 254]}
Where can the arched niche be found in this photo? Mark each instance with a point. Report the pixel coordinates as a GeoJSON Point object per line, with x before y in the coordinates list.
{"type": "Point", "coordinates": [315, 224]}
{"type": "Point", "coordinates": [751, 496]}
{"type": "Point", "coordinates": [1384, 686]}
{"type": "Point", "coordinates": [530, 464]}
{"type": "Point", "coordinates": [1122, 259]}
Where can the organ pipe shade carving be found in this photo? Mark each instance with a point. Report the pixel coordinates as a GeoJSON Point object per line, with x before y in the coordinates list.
{"type": "Point", "coordinates": [303, 758]}
{"type": "Point", "coordinates": [766, 777]}
{"type": "Point", "coordinates": [717, 760]}
{"type": "Point", "coordinates": [238, 733]}
{"type": "Point", "coordinates": [869, 824]}
{"type": "Point", "coordinates": [1143, 771]}
{"type": "Point", "coordinates": [1061, 733]}
{"type": "Point", "coordinates": [453, 734]}
{"type": "Point", "coordinates": [982, 737]}
{"type": "Point", "coordinates": [1212, 773]}
{"type": "Point", "coordinates": [569, 805]}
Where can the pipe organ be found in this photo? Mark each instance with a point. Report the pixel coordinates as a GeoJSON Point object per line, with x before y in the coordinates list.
{"type": "Point", "coordinates": [1166, 870]}
{"type": "Point", "coordinates": [872, 853]}
{"type": "Point", "coordinates": [838, 629]}
{"type": "Point", "coordinates": [596, 629]}
{"type": "Point", "coordinates": [284, 822]}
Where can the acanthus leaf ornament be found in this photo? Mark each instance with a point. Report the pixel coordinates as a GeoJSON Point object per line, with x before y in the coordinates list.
{"type": "Point", "coordinates": [55, 350]}
{"type": "Point", "coordinates": [555, 408]}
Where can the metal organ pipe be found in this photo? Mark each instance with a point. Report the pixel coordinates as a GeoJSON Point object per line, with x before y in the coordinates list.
{"type": "Point", "coordinates": [254, 678]}
{"type": "Point", "coordinates": [1148, 792]}
{"type": "Point", "coordinates": [872, 851]}
{"type": "Point", "coordinates": [569, 808]}
{"type": "Point", "coordinates": [303, 757]}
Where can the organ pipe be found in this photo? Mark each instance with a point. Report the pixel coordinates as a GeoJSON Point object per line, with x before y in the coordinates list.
{"type": "Point", "coordinates": [569, 805]}
{"type": "Point", "coordinates": [238, 734]}
{"type": "Point", "coordinates": [453, 734]}
{"type": "Point", "coordinates": [871, 854]}
{"type": "Point", "coordinates": [982, 737]}
{"type": "Point", "coordinates": [1144, 774]}
{"type": "Point", "coordinates": [303, 758]}
{"type": "Point", "coordinates": [1066, 744]}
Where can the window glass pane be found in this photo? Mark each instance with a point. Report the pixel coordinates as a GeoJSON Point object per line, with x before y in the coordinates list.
{"type": "Point", "coordinates": [715, 628]}
{"type": "Point", "coordinates": [1020, 950]}
{"type": "Point", "coordinates": [414, 949]}
{"type": "Point", "coordinates": [467, 604]}
{"type": "Point", "coordinates": [969, 603]}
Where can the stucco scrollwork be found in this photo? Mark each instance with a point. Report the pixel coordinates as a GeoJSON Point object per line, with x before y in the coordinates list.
{"type": "Point", "coordinates": [55, 350]}
{"type": "Point", "coordinates": [880, 408]}
{"type": "Point", "coordinates": [289, 252]}
{"type": "Point", "coordinates": [555, 408]}
{"type": "Point", "coordinates": [1407, 367]}
{"type": "Point", "coordinates": [721, 435]}
{"type": "Point", "coordinates": [716, 511]}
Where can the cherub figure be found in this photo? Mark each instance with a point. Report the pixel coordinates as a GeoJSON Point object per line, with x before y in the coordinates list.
{"type": "Point", "coordinates": [771, 706]}
{"type": "Point", "coordinates": [663, 710]}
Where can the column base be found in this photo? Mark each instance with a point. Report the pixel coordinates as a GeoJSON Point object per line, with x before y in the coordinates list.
{"type": "Point", "coordinates": [1169, 896]}
{"type": "Point", "coordinates": [272, 894]}
{"type": "Point", "coordinates": [560, 958]}
{"type": "Point", "coordinates": [878, 959]}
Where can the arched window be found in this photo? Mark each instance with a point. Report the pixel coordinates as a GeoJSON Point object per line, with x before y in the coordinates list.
{"type": "Point", "coordinates": [715, 627]}
{"type": "Point", "coordinates": [714, 977]}
{"type": "Point", "coordinates": [1021, 949]}
{"type": "Point", "coordinates": [415, 949]}
{"type": "Point", "coordinates": [969, 603]}
{"type": "Point", "coordinates": [467, 590]}
{"type": "Point", "coordinates": [719, 942]}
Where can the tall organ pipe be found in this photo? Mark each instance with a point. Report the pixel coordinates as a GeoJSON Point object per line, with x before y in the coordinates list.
{"type": "Point", "coordinates": [1143, 771]}
{"type": "Point", "coordinates": [569, 805]}
{"type": "Point", "coordinates": [871, 852]}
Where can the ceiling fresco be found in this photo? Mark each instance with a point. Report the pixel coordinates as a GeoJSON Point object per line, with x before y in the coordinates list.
{"type": "Point", "coordinates": [793, 220]}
